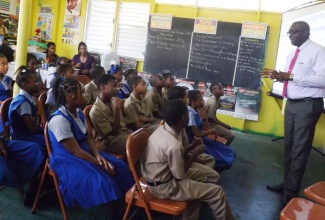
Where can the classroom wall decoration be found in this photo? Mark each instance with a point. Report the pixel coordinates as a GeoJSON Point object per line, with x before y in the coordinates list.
{"type": "Point", "coordinates": [45, 23]}
{"type": "Point", "coordinates": [71, 22]}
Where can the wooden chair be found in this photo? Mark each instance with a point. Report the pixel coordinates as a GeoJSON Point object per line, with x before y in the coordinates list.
{"type": "Point", "coordinates": [83, 79]}
{"type": "Point", "coordinates": [139, 194]}
{"type": "Point", "coordinates": [42, 98]}
{"type": "Point", "coordinates": [48, 170]}
{"type": "Point", "coordinates": [91, 132]}
{"type": "Point", "coordinates": [206, 126]}
{"type": "Point", "coordinates": [299, 209]}
{"type": "Point", "coordinates": [4, 118]}
{"type": "Point", "coordinates": [316, 192]}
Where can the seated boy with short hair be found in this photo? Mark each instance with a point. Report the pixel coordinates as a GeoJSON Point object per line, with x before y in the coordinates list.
{"type": "Point", "coordinates": [154, 96]}
{"type": "Point", "coordinates": [211, 106]}
{"type": "Point", "coordinates": [137, 113]}
{"type": "Point", "coordinates": [162, 167]}
{"type": "Point", "coordinates": [106, 116]}
{"type": "Point", "coordinates": [91, 89]}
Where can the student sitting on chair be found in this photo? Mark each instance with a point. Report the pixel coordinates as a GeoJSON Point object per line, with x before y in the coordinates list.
{"type": "Point", "coordinates": [154, 96]}
{"type": "Point", "coordinates": [211, 106]}
{"type": "Point", "coordinates": [88, 177]}
{"type": "Point", "coordinates": [6, 83]}
{"type": "Point", "coordinates": [106, 116]}
{"type": "Point", "coordinates": [170, 81]}
{"type": "Point", "coordinates": [19, 162]}
{"type": "Point", "coordinates": [163, 168]}
{"type": "Point", "coordinates": [64, 71]}
{"type": "Point", "coordinates": [117, 72]}
{"type": "Point", "coordinates": [23, 121]}
{"type": "Point", "coordinates": [125, 91]}
{"type": "Point", "coordinates": [223, 154]}
{"type": "Point", "coordinates": [202, 170]}
{"type": "Point", "coordinates": [32, 64]}
{"type": "Point", "coordinates": [137, 113]}
{"type": "Point", "coordinates": [91, 89]}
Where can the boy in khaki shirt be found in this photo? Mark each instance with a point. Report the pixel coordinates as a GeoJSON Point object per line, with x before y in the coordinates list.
{"type": "Point", "coordinates": [170, 81]}
{"type": "Point", "coordinates": [210, 107]}
{"type": "Point", "coordinates": [91, 89]}
{"type": "Point", "coordinates": [154, 96]}
{"type": "Point", "coordinates": [137, 113]}
{"type": "Point", "coordinates": [164, 170]}
{"type": "Point", "coordinates": [106, 116]}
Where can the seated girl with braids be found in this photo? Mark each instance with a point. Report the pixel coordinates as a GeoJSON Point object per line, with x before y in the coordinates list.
{"type": "Point", "coordinates": [117, 72]}
{"type": "Point", "coordinates": [24, 124]}
{"type": "Point", "coordinates": [87, 177]}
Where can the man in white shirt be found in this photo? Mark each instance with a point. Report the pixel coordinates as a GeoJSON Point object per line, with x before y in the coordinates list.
{"type": "Point", "coordinates": [304, 78]}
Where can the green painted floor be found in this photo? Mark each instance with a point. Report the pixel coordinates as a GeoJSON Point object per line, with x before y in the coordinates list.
{"type": "Point", "coordinates": [258, 163]}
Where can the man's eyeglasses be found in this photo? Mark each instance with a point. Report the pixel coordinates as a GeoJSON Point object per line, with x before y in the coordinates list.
{"type": "Point", "coordinates": [292, 32]}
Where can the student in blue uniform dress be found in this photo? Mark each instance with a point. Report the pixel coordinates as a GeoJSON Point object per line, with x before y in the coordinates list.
{"type": "Point", "coordinates": [19, 161]}
{"type": "Point", "coordinates": [24, 125]}
{"type": "Point", "coordinates": [87, 177]}
{"type": "Point", "coordinates": [223, 154]}
{"type": "Point", "coordinates": [125, 91]}
{"type": "Point", "coordinates": [5, 83]}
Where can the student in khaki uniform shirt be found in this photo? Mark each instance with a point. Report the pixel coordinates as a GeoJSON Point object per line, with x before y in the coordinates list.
{"type": "Point", "coordinates": [154, 96]}
{"type": "Point", "coordinates": [202, 170]}
{"type": "Point", "coordinates": [106, 116]}
{"type": "Point", "coordinates": [164, 170]}
{"type": "Point", "coordinates": [91, 89]}
{"type": "Point", "coordinates": [137, 113]}
{"type": "Point", "coordinates": [211, 106]}
{"type": "Point", "coordinates": [170, 81]}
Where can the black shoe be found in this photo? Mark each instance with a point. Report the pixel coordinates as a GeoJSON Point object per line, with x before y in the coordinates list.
{"type": "Point", "coordinates": [275, 188]}
{"type": "Point", "coordinates": [285, 200]}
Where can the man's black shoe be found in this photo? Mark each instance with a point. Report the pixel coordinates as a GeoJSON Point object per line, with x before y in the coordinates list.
{"type": "Point", "coordinates": [275, 188]}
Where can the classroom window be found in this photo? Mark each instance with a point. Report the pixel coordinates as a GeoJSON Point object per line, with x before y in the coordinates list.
{"type": "Point", "coordinates": [99, 25]}
{"type": "Point", "coordinates": [177, 2]}
{"type": "Point", "coordinates": [132, 28]}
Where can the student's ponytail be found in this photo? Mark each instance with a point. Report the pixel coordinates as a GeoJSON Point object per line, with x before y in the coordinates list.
{"type": "Point", "coordinates": [63, 87]}
{"type": "Point", "coordinates": [23, 74]}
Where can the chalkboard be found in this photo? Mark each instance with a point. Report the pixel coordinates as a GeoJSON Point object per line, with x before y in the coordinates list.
{"type": "Point", "coordinates": [169, 49]}
{"type": "Point", "coordinates": [213, 57]}
{"type": "Point", "coordinates": [250, 62]}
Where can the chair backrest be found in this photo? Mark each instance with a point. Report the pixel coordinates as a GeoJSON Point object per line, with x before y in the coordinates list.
{"type": "Point", "coordinates": [135, 146]}
{"type": "Point", "coordinates": [88, 121]}
{"type": "Point", "coordinates": [4, 118]}
{"type": "Point", "coordinates": [40, 112]}
{"type": "Point", "coordinates": [83, 79]}
{"type": "Point", "coordinates": [42, 98]}
{"type": "Point", "coordinates": [47, 139]}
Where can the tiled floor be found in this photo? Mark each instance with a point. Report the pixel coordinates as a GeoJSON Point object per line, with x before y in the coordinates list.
{"type": "Point", "coordinates": [258, 163]}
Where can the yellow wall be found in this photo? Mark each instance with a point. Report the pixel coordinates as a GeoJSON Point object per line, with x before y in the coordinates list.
{"type": "Point", "coordinates": [270, 118]}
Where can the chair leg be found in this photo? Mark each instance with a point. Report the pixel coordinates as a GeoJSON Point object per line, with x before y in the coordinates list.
{"type": "Point", "coordinates": [62, 205]}
{"type": "Point", "coordinates": [148, 211]}
{"type": "Point", "coordinates": [40, 187]}
{"type": "Point", "coordinates": [128, 208]}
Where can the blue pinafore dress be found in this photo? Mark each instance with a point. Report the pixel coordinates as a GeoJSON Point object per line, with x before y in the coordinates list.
{"type": "Point", "coordinates": [18, 128]}
{"type": "Point", "coordinates": [82, 182]}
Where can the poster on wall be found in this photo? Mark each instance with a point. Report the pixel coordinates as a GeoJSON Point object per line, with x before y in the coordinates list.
{"type": "Point", "coordinates": [71, 22]}
{"type": "Point", "coordinates": [44, 24]}
{"type": "Point", "coordinates": [247, 104]}
{"type": "Point", "coordinates": [227, 102]}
